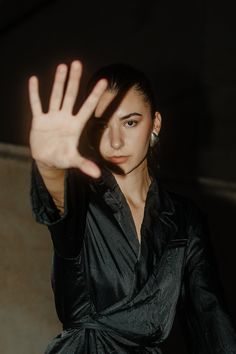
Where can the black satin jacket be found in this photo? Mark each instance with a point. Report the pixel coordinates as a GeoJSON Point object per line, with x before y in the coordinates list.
{"type": "Point", "coordinates": [116, 295]}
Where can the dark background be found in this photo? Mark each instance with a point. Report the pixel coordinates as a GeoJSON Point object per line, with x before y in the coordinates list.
{"type": "Point", "coordinates": [186, 48]}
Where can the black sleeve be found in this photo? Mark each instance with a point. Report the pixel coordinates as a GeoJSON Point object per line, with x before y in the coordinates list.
{"type": "Point", "coordinates": [209, 326]}
{"type": "Point", "coordinates": [67, 230]}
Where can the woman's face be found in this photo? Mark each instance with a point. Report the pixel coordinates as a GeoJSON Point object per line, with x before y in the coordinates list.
{"type": "Point", "coordinates": [124, 134]}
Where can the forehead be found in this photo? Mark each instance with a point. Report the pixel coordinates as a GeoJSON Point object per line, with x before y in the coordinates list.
{"type": "Point", "coordinates": [121, 104]}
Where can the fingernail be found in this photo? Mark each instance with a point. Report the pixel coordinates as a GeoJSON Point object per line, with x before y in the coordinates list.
{"type": "Point", "coordinates": [76, 64]}
{"type": "Point", "coordinates": [62, 68]}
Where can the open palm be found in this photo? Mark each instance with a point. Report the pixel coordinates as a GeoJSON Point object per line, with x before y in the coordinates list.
{"type": "Point", "coordinates": [54, 136]}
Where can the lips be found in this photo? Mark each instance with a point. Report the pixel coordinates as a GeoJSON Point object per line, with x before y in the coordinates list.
{"type": "Point", "coordinates": [118, 159]}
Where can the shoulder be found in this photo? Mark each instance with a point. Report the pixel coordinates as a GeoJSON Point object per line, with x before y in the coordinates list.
{"type": "Point", "coordinates": [187, 212]}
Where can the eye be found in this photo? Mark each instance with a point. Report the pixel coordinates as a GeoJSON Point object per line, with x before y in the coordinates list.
{"type": "Point", "coordinates": [130, 123]}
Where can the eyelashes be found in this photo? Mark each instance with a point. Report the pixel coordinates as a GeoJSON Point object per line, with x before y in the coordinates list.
{"type": "Point", "coordinates": [130, 123]}
{"type": "Point", "coordinates": [101, 125]}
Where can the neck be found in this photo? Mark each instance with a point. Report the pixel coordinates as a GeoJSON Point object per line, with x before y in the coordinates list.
{"type": "Point", "coordinates": [135, 184]}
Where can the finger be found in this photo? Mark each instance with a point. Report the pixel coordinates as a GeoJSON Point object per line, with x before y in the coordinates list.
{"type": "Point", "coordinates": [58, 88]}
{"type": "Point", "coordinates": [91, 102]}
{"type": "Point", "coordinates": [35, 102]}
{"type": "Point", "coordinates": [72, 86]}
{"type": "Point", "coordinates": [88, 167]}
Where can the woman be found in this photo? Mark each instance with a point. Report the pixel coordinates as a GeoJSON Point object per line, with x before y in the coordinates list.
{"type": "Point", "coordinates": [127, 253]}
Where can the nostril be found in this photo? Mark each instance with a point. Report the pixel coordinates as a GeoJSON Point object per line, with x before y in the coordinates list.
{"type": "Point", "coordinates": [116, 140]}
{"type": "Point", "coordinates": [116, 144]}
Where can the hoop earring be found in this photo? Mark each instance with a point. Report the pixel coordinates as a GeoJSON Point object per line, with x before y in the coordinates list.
{"type": "Point", "coordinates": [154, 139]}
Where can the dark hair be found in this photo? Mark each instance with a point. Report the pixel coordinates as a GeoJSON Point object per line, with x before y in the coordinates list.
{"type": "Point", "coordinates": [121, 77]}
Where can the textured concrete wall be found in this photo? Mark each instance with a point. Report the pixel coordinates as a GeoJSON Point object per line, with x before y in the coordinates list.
{"type": "Point", "coordinates": [27, 315]}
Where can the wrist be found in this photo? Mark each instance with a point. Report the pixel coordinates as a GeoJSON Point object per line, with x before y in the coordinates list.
{"type": "Point", "coordinates": [49, 171]}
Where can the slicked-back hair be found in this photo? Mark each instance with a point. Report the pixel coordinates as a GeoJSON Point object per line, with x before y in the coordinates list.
{"type": "Point", "coordinates": [121, 77]}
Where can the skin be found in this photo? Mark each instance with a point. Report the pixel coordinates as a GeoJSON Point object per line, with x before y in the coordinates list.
{"type": "Point", "coordinates": [54, 136]}
{"type": "Point", "coordinates": [129, 139]}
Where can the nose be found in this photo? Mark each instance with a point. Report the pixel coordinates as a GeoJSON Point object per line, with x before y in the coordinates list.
{"type": "Point", "coordinates": [116, 138]}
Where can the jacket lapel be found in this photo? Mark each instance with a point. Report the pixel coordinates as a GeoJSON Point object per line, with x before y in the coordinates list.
{"type": "Point", "coordinates": [163, 219]}
{"type": "Point", "coordinates": [160, 219]}
{"type": "Point", "coordinates": [111, 194]}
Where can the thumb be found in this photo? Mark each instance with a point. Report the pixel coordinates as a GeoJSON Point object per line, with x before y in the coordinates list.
{"type": "Point", "coordinates": [88, 167]}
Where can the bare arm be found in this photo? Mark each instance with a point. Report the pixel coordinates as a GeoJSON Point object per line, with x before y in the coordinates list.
{"type": "Point", "coordinates": [54, 136]}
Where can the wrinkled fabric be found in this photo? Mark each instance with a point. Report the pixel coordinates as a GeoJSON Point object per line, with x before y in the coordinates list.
{"type": "Point", "coordinates": [116, 295]}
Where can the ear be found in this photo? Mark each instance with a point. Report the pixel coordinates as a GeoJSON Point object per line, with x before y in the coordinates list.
{"type": "Point", "coordinates": [157, 123]}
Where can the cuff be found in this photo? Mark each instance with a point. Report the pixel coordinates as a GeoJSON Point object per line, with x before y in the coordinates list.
{"type": "Point", "coordinates": [43, 206]}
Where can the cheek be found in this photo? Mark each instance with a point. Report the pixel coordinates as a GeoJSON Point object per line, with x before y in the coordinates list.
{"type": "Point", "coordinates": [140, 143]}
{"type": "Point", "coordinates": [144, 135]}
{"type": "Point", "coordinates": [144, 139]}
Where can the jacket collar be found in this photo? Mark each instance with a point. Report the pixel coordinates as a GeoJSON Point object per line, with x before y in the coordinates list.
{"type": "Point", "coordinates": [159, 204]}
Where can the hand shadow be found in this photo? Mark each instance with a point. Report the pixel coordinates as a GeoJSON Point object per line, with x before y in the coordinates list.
{"type": "Point", "coordinates": [91, 136]}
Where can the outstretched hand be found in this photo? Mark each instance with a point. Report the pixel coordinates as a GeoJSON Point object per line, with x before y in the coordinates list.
{"type": "Point", "coordinates": [54, 136]}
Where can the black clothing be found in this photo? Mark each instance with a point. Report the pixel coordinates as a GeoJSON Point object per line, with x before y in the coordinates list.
{"type": "Point", "coordinates": [114, 295]}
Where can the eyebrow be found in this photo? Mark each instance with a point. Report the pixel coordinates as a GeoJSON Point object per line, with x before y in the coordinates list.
{"type": "Point", "coordinates": [130, 115]}
{"type": "Point", "coordinates": [124, 117]}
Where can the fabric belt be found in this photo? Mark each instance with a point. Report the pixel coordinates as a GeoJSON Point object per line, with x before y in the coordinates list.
{"type": "Point", "coordinates": [136, 339]}
{"type": "Point", "coordinates": [89, 325]}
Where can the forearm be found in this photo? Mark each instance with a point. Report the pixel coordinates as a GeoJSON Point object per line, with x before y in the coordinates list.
{"type": "Point", "coordinates": [66, 230]}
{"type": "Point", "coordinates": [54, 181]}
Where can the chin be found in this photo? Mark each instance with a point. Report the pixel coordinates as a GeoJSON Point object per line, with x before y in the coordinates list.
{"type": "Point", "coordinates": [126, 170]}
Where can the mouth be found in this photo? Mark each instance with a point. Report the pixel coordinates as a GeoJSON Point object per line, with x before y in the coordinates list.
{"type": "Point", "coordinates": [118, 159]}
